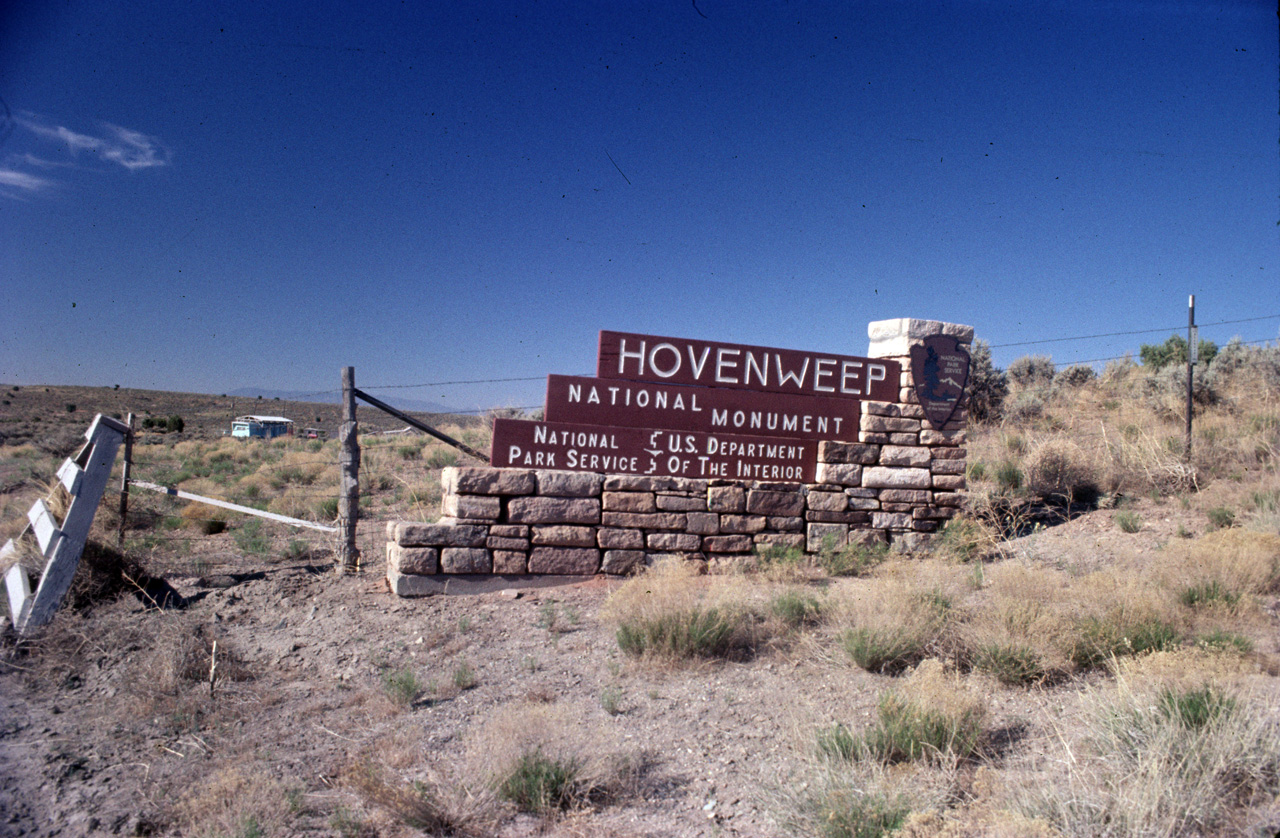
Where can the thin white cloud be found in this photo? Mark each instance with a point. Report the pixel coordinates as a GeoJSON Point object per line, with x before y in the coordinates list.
{"type": "Point", "coordinates": [131, 149]}
{"type": "Point", "coordinates": [22, 180]}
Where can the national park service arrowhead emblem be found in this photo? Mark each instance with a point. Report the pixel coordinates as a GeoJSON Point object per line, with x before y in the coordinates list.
{"type": "Point", "coordinates": [940, 369]}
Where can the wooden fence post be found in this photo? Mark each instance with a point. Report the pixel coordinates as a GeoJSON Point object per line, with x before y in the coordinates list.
{"type": "Point", "coordinates": [349, 481]}
{"type": "Point", "coordinates": [124, 480]}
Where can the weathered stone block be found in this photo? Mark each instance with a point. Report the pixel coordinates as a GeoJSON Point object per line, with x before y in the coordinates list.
{"type": "Point", "coordinates": [420, 560]}
{"type": "Point", "coordinates": [563, 535]}
{"type": "Point", "coordinates": [930, 513]}
{"type": "Point", "coordinates": [409, 534]}
{"type": "Point", "coordinates": [761, 502]}
{"type": "Point", "coordinates": [948, 482]}
{"type": "Point", "coordinates": [881, 409]}
{"type": "Point", "coordinates": [891, 520]}
{"type": "Point", "coordinates": [833, 501]}
{"type": "Point", "coordinates": [897, 507]}
{"type": "Point", "coordinates": [904, 439]}
{"type": "Point", "coordinates": [856, 492]}
{"type": "Point", "coordinates": [820, 536]}
{"type": "Point", "coordinates": [411, 584]}
{"type": "Point", "coordinates": [466, 480]}
{"type": "Point", "coordinates": [683, 542]}
{"type": "Point", "coordinates": [728, 544]}
{"type": "Point", "coordinates": [619, 562]}
{"type": "Point", "coordinates": [571, 561]}
{"type": "Point", "coordinates": [638, 483]}
{"type": "Point", "coordinates": [947, 466]}
{"type": "Point", "coordinates": [680, 503]}
{"type": "Point", "coordinates": [568, 484]}
{"type": "Point", "coordinates": [911, 411]}
{"type": "Point", "coordinates": [847, 517]}
{"type": "Point", "coordinates": [943, 453]}
{"type": "Point", "coordinates": [541, 510]}
{"type": "Point", "coordinates": [889, 424]}
{"type": "Point", "coordinates": [925, 526]}
{"type": "Point", "coordinates": [874, 438]}
{"type": "Point", "coordinates": [916, 329]}
{"type": "Point", "coordinates": [905, 496]}
{"type": "Point", "coordinates": [863, 503]}
{"type": "Point", "coordinates": [481, 507]}
{"type": "Point", "coordinates": [629, 502]}
{"type": "Point", "coordinates": [790, 523]}
{"type": "Point", "coordinates": [509, 530]}
{"type": "Point", "coordinates": [496, 543]}
{"type": "Point", "coordinates": [928, 436]}
{"type": "Point", "coordinates": [948, 498]}
{"type": "Point", "coordinates": [838, 474]}
{"type": "Point", "coordinates": [703, 523]}
{"type": "Point", "coordinates": [646, 521]}
{"type": "Point", "coordinates": [786, 540]}
{"type": "Point", "coordinates": [391, 530]}
{"type": "Point", "coordinates": [510, 561]}
{"type": "Point", "coordinates": [849, 453]}
{"type": "Point", "coordinates": [867, 538]}
{"type": "Point", "coordinates": [742, 523]}
{"type": "Point", "coordinates": [901, 455]}
{"type": "Point", "coordinates": [466, 560]}
{"type": "Point", "coordinates": [726, 499]}
{"type": "Point", "coordinates": [620, 539]}
{"type": "Point", "coordinates": [880, 477]}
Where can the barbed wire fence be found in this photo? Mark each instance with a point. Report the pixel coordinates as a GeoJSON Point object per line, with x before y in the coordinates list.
{"type": "Point", "coordinates": [400, 473]}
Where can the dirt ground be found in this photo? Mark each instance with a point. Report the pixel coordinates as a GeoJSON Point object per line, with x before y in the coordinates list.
{"type": "Point", "coordinates": [109, 726]}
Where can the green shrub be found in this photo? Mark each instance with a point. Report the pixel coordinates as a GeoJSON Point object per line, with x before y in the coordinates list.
{"type": "Point", "coordinates": [611, 700]}
{"type": "Point", "coordinates": [850, 814]}
{"type": "Point", "coordinates": [1128, 521]}
{"type": "Point", "coordinates": [1011, 664]}
{"type": "Point", "coordinates": [464, 677]}
{"type": "Point", "coordinates": [1174, 351]}
{"type": "Point", "coordinates": [1058, 468]}
{"type": "Point", "coordinates": [908, 731]}
{"type": "Point", "coordinates": [401, 686]}
{"type": "Point", "coordinates": [1032, 371]}
{"type": "Point", "coordinates": [1221, 518]}
{"type": "Point", "coordinates": [442, 457]}
{"type": "Point", "coordinates": [693, 632]}
{"type": "Point", "coordinates": [539, 783]}
{"type": "Point", "coordinates": [886, 650]}
{"type": "Point", "coordinates": [987, 386]}
{"type": "Point", "coordinates": [1100, 640]}
{"type": "Point", "coordinates": [852, 560]}
{"type": "Point", "coordinates": [838, 742]}
{"type": "Point", "coordinates": [250, 538]}
{"type": "Point", "coordinates": [1196, 708]}
{"type": "Point", "coordinates": [795, 608]}
{"type": "Point", "coordinates": [976, 470]}
{"type": "Point", "coordinates": [1075, 375]}
{"type": "Point", "coordinates": [1009, 476]}
{"type": "Point", "coordinates": [1208, 593]}
{"type": "Point", "coordinates": [1226, 641]}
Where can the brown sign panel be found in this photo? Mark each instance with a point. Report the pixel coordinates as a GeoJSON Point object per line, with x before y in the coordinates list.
{"type": "Point", "coordinates": [601, 401]}
{"type": "Point", "coordinates": [708, 364]}
{"type": "Point", "coordinates": [518, 443]}
{"type": "Point", "coordinates": [940, 369]}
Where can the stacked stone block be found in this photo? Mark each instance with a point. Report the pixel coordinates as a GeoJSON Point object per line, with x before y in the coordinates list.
{"type": "Point", "coordinates": [898, 483]}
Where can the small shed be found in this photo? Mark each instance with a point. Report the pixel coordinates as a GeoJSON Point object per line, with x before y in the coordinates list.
{"type": "Point", "coordinates": [261, 427]}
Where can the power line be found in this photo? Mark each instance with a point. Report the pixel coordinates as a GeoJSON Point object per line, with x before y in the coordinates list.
{"type": "Point", "coordinates": [1135, 332]}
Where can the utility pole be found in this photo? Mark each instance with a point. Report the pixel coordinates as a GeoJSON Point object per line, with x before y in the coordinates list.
{"type": "Point", "coordinates": [1193, 355]}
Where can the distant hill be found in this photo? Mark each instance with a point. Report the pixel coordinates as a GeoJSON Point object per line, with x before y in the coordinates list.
{"type": "Point", "coordinates": [333, 397]}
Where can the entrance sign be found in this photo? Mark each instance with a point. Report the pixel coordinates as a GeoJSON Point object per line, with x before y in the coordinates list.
{"type": "Point", "coordinates": [519, 443]}
{"type": "Point", "coordinates": [620, 403]}
{"type": "Point", "coordinates": [763, 369]}
{"type": "Point", "coordinates": [940, 369]}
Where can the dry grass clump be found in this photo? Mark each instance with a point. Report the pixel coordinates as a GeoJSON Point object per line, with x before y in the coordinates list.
{"type": "Point", "coordinates": [1018, 630]}
{"type": "Point", "coordinates": [1059, 469]}
{"type": "Point", "coordinates": [673, 613]}
{"type": "Point", "coordinates": [1237, 562]}
{"type": "Point", "coordinates": [235, 801]}
{"type": "Point", "coordinates": [542, 758]}
{"type": "Point", "coordinates": [1164, 754]}
{"type": "Point", "coordinates": [933, 716]}
{"type": "Point", "coordinates": [893, 621]}
{"type": "Point", "coordinates": [1119, 614]}
{"type": "Point", "coordinates": [433, 805]}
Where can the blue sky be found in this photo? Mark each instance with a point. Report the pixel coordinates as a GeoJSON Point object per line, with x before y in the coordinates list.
{"type": "Point", "coordinates": [214, 196]}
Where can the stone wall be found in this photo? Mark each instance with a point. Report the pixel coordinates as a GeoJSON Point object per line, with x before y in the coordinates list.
{"type": "Point", "coordinates": [897, 484]}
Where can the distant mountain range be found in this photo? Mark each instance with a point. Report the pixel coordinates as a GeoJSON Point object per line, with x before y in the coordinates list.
{"type": "Point", "coordinates": [412, 405]}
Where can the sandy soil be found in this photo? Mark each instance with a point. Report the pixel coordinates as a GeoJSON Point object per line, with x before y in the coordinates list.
{"type": "Point", "coordinates": [108, 725]}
